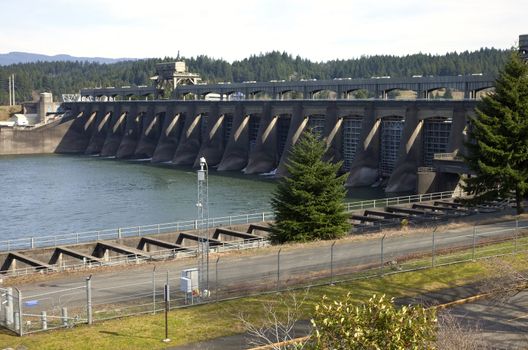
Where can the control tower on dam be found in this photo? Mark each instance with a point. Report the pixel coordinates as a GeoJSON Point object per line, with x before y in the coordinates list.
{"type": "Point", "coordinates": [393, 142]}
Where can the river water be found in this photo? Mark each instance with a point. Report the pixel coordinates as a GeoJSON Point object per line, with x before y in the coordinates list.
{"type": "Point", "coordinates": [53, 194]}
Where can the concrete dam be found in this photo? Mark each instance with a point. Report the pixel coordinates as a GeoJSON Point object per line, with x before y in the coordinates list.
{"type": "Point", "coordinates": [394, 142]}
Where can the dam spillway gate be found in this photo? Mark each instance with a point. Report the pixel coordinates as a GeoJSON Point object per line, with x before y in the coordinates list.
{"type": "Point", "coordinates": [377, 140]}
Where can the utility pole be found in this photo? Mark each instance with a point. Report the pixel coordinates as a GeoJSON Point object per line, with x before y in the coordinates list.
{"type": "Point", "coordinates": [9, 89]}
{"type": "Point", "coordinates": [12, 101]}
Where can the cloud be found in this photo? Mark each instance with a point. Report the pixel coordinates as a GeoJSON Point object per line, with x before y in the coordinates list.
{"type": "Point", "coordinates": [319, 30]}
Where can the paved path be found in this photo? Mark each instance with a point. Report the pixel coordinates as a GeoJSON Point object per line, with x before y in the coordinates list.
{"type": "Point", "coordinates": [251, 270]}
{"type": "Point", "coordinates": [244, 340]}
{"type": "Point", "coordinates": [502, 325]}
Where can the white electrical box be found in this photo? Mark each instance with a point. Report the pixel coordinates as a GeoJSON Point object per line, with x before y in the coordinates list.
{"type": "Point", "coordinates": [193, 276]}
{"type": "Point", "coordinates": [185, 285]}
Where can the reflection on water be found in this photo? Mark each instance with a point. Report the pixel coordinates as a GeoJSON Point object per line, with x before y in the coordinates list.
{"type": "Point", "coordinates": [43, 195]}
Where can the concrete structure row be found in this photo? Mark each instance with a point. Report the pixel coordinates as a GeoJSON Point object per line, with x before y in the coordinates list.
{"type": "Point", "coordinates": [378, 87]}
{"type": "Point", "coordinates": [389, 141]}
{"type": "Point", "coordinates": [105, 252]}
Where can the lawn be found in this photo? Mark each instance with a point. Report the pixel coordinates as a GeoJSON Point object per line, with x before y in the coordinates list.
{"type": "Point", "coordinates": [220, 319]}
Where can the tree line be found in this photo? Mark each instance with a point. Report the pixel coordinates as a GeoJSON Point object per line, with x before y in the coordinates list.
{"type": "Point", "coordinates": [69, 77]}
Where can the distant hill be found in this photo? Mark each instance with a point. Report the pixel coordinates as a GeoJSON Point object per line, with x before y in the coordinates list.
{"type": "Point", "coordinates": [27, 57]}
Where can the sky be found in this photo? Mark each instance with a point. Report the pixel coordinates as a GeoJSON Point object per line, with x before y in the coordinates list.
{"type": "Point", "coordinates": [319, 30]}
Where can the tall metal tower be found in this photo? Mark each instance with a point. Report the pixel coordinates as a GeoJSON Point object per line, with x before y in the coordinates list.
{"type": "Point", "coordinates": [203, 225]}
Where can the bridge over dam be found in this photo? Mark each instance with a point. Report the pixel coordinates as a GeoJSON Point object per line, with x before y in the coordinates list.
{"type": "Point", "coordinates": [392, 140]}
{"type": "Point", "coordinates": [342, 88]}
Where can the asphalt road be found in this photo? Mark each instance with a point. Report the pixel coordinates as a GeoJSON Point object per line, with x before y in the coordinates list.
{"type": "Point", "coordinates": [248, 271]}
{"type": "Point", "coordinates": [499, 324]}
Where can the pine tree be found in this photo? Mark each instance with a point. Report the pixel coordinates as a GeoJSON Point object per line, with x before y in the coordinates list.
{"type": "Point", "coordinates": [498, 147]}
{"type": "Point", "coordinates": [308, 203]}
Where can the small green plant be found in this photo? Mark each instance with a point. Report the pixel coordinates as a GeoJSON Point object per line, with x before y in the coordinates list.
{"type": "Point", "coordinates": [376, 324]}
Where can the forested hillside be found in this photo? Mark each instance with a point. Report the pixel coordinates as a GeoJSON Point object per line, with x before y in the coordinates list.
{"type": "Point", "coordinates": [70, 77]}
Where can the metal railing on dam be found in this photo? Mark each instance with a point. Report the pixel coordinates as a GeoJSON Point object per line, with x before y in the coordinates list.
{"type": "Point", "coordinates": [186, 225]}
{"type": "Point", "coordinates": [379, 87]}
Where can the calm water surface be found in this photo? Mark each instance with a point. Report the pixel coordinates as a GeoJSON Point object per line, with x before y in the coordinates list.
{"type": "Point", "coordinates": [51, 194]}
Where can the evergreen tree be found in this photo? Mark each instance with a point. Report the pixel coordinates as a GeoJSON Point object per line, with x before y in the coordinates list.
{"type": "Point", "coordinates": [308, 203]}
{"type": "Point", "coordinates": [498, 147]}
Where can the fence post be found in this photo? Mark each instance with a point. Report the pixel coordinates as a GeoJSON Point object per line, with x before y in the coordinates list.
{"type": "Point", "coordinates": [9, 309]}
{"type": "Point", "coordinates": [139, 231]}
{"type": "Point", "coordinates": [196, 224]}
{"type": "Point", "coordinates": [381, 265]}
{"type": "Point", "coordinates": [64, 316]}
{"type": "Point", "coordinates": [20, 314]}
{"type": "Point", "coordinates": [154, 290]}
{"type": "Point", "coordinates": [17, 320]}
{"type": "Point", "coordinates": [89, 299]}
{"type": "Point", "coordinates": [216, 278]}
{"type": "Point", "coordinates": [433, 250]}
{"type": "Point", "coordinates": [168, 284]}
{"type": "Point", "coordinates": [515, 237]}
{"type": "Point", "coordinates": [119, 233]}
{"type": "Point", "coordinates": [32, 242]}
{"type": "Point", "coordinates": [158, 228]}
{"type": "Point", "coordinates": [263, 216]}
{"type": "Point", "coordinates": [474, 241]}
{"type": "Point", "coordinates": [77, 238]}
{"type": "Point", "coordinates": [278, 269]}
{"type": "Point", "coordinates": [44, 320]}
{"type": "Point", "coordinates": [332, 264]}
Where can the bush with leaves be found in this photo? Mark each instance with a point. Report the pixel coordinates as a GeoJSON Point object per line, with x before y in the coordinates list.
{"type": "Point", "coordinates": [376, 324]}
{"type": "Point", "coordinates": [309, 201]}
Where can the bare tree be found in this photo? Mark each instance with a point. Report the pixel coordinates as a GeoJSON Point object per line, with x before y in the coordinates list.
{"type": "Point", "coordinates": [505, 279]}
{"type": "Point", "coordinates": [452, 334]}
{"type": "Point", "coordinates": [275, 329]}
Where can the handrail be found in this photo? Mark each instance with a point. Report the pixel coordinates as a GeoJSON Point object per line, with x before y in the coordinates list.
{"type": "Point", "coordinates": [186, 225]}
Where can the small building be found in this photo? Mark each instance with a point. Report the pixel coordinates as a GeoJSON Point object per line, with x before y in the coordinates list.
{"type": "Point", "coordinates": [523, 46]}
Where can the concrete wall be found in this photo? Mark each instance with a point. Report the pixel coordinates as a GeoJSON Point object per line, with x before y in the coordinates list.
{"type": "Point", "coordinates": [171, 131]}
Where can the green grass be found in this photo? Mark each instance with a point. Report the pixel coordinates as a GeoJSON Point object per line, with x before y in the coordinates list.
{"type": "Point", "coordinates": [204, 322]}
{"type": "Point", "coordinates": [214, 320]}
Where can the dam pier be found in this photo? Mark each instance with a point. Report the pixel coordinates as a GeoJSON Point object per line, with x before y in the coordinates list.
{"type": "Point", "coordinates": [404, 145]}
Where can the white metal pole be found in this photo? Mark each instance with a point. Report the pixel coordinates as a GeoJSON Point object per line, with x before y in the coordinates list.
{"type": "Point", "coordinates": [9, 89]}
{"type": "Point", "coordinates": [13, 87]}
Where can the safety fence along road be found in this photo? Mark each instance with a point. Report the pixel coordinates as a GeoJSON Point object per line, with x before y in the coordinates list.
{"type": "Point", "coordinates": [41, 241]}
{"type": "Point", "coordinates": [110, 294]}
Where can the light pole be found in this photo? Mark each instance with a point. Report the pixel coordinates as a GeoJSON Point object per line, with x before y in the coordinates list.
{"type": "Point", "coordinates": [203, 215]}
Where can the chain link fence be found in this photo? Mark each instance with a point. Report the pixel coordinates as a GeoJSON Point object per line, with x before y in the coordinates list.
{"type": "Point", "coordinates": [141, 291]}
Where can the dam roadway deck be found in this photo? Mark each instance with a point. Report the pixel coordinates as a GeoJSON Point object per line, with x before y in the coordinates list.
{"type": "Point", "coordinates": [375, 139]}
